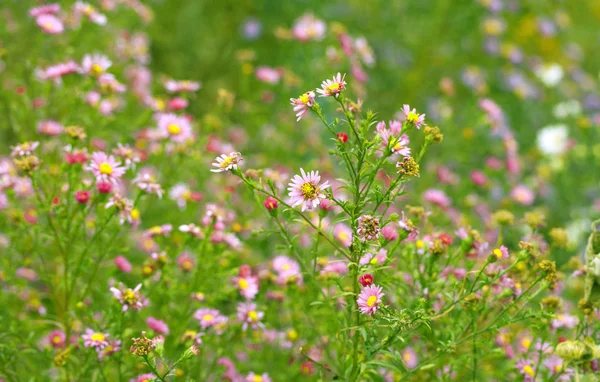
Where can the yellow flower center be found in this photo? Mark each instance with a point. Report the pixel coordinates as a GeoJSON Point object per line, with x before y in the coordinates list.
{"type": "Point", "coordinates": [412, 117]}
{"type": "Point", "coordinates": [497, 253]}
{"type": "Point", "coordinates": [174, 129]}
{"type": "Point", "coordinates": [420, 244]}
{"type": "Point", "coordinates": [98, 337]}
{"type": "Point", "coordinates": [135, 214]}
{"type": "Point", "coordinates": [286, 267]}
{"type": "Point", "coordinates": [227, 162]}
{"type": "Point", "coordinates": [398, 146]}
{"type": "Point", "coordinates": [371, 301]}
{"type": "Point", "coordinates": [304, 99]}
{"type": "Point", "coordinates": [407, 357]}
{"type": "Point", "coordinates": [309, 191]}
{"type": "Point", "coordinates": [374, 261]}
{"type": "Point", "coordinates": [243, 284]}
{"type": "Point", "coordinates": [105, 168]}
{"type": "Point", "coordinates": [292, 335]}
{"type": "Point", "coordinates": [207, 317]}
{"type": "Point", "coordinates": [334, 87]}
{"type": "Point", "coordinates": [56, 339]}
{"type": "Point", "coordinates": [97, 69]}
{"type": "Point", "coordinates": [526, 342]}
{"type": "Point", "coordinates": [257, 378]}
{"type": "Point", "coordinates": [253, 316]}
{"type": "Point", "coordinates": [528, 370]}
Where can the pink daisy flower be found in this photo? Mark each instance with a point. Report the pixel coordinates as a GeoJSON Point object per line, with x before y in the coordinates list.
{"type": "Point", "coordinates": [95, 64]}
{"type": "Point", "coordinates": [112, 347]}
{"type": "Point", "coordinates": [369, 299]}
{"type": "Point", "coordinates": [374, 258]}
{"type": "Point", "coordinates": [303, 104]}
{"type": "Point", "coordinates": [105, 168]}
{"type": "Point", "coordinates": [410, 357]}
{"type": "Point", "coordinates": [249, 316]}
{"type": "Point", "coordinates": [413, 117]}
{"type": "Point", "coordinates": [252, 377]}
{"type": "Point", "coordinates": [57, 338]}
{"type": "Point", "coordinates": [174, 86]}
{"type": "Point", "coordinates": [268, 74]}
{"type": "Point", "coordinates": [159, 326]}
{"type": "Point", "coordinates": [343, 234]}
{"type": "Point", "coordinates": [96, 340]}
{"type": "Point", "coordinates": [333, 87]}
{"type": "Point", "coordinates": [87, 10]}
{"type": "Point", "coordinates": [227, 162]}
{"type": "Point", "coordinates": [176, 128]}
{"type": "Point", "coordinates": [129, 298]}
{"type": "Point", "coordinates": [50, 24]}
{"type": "Point", "coordinates": [56, 72]}
{"type": "Point", "coordinates": [305, 190]}
{"type": "Point", "coordinates": [207, 317]}
{"type": "Point", "coordinates": [50, 128]}
{"type": "Point", "coordinates": [148, 377]}
{"type": "Point", "coordinates": [308, 28]}
{"type": "Point", "coordinates": [48, 9]}
{"type": "Point", "coordinates": [23, 149]}
{"type": "Point", "coordinates": [248, 286]}
{"type": "Point", "coordinates": [526, 368]}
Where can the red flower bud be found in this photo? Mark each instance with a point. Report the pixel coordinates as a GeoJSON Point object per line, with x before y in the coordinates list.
{"type": "Point", "coordinates": [343, 137]}
{"type": "Point", "coordinates": [82, 197]}
{"type": "Point", "coordinates": [104, 187]}
{"type": "Point", "coordinates": [271, 203]}
{"type": "Point", "coordinates": [366, 279]}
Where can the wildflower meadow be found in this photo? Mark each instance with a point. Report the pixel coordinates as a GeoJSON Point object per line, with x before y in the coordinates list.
{"type": "Point", "coordinates": [299, 190]}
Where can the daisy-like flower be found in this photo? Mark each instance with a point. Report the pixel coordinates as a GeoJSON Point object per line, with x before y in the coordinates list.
{"type": "Point", "coordinates": [178, 129]}
{"type": "Point", "coordinates": [208, 317]}
{"type": "Point", "coordinates": [527, 368]}
{"type": "Point", "coordinates": [56, 72]}
{"type": "Point", "coordinates": [343, 234]}
{"type": "Point", "coordinates": [227, 162]}
{"type": "Point", "coordinates": [374, 258]}
{"type": "Point", "coordinates": [252, 377]}
{"type": "Point", "coordinates": [112, 347]}
{"type": "Point", "coordinates": [87, 10]}
{"type": "Point", "coordinates": [305, 190]}
{"type": "Point", "coordinates": [174, 86]}
{"type": "Point", "coordinates": [24, 149]}
{"type": "Point", "coordinates": [57, 339]}
{"type": "Point", "coordinates": [144, 378]}
{"type": "Point", "coordinates": [159, 326]}
{"type": "Point", "coordinates": [49, 127]}
{"type": "Point", "coordinates": [95, 64]}
{"type": "Point", "coordinates": [129, 298]}
{"type": "Point", "coordinates": [147, 183]}
{"type": "Point", "coordinates": [105, 168]}
{"type": "Point", "coordinates": [369, 299]}
{"type": "Point", "coordinates": [50, 24]}
{"type": "Point", "coordinates": [96, 340]}
{"type": "Point", "coordinates": [125, 207]}
{"type": "Point", "coordinates": [130, 155]}
{"type": "Point", "coordinates": [308, 28]}
{"type": "Point", "coordinates": [410, 357]}
{"type": "Point", "coordinates": [247, 285]}
{"type": "Point", "coordinates": [368, 228]}
{"type": "Point", "coordinates": [413, 117]}
{"type": "Point", "coordinates": [48, 9]}
{"type": "Point", "coordinates": [249, 316]}
{"type": "Point", "coordinates": [109, 83]}
{"type": "Point", "coordinates": [333, 87]}
{"type": "Point", "coordinates": [303, 104]}
{"type": "Point", "coordinates": [192, 229]}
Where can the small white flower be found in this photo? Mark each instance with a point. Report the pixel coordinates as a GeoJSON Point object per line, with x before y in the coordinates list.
{"type": "Point", "coordinates": [227, 162]}
{"type": "Point", "coordinates": [552, 140]}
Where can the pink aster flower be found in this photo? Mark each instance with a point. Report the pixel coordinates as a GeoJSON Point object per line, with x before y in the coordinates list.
{"type": "Point", "coordinates": [95, 64]}
{"type": "Point", "coordinates": [248, 286]}
{"type": "Point", "coordinates": [87, 10]}
{"type": "Point", "coordinates": [112, 347]}
{"type": "Point", "coordinates": [48, 9]}
{"type": "Point", "coordinates": [176, 128]}
{"type": "Point", "coordinates": [523, 195]}
{"type": "Point", "coordinates": [410, 357]}
{"type": "Point", "coordinates": [303, 104]}
{"type": "Point", "coordinates": [105, 168]}
{"type": "Point", "coordinates": [57, 338]}
{"type": "Point", "coordinates": [437, 197]}
{"type": "Point", "coordinates": [50, 128]}
{"type": "Point", "coordinates": [207, 317]}
{"type": "Point", "coordinates": [123, 264]}
{"type": "Point", "coordinates": [50, 24]}
{"type": "Point", "coordinates": [174, 86]}
{"type": "Point", "coordinates": [96, 340]}
{"type": "Point", "coordinates": [252, 377]}
{"type": "Point", "coordinates": [413, 117]}
{"type": "Point", "coordinates": [308, 28]}
{"type": "Point", "coordinates": [249, 316]}
{"type": "Point", "coordinates": [288, 270]}
{"type": "Point", "coordinates": [159, 326]}
{"type": "Point", "coordinates": [374, 258]}
{"type": "Point", "coordinates": [129, 298]}
{"type": "Point", "coordinates": [305, 190]}
{"type": "Point", "coordinates": [227, 162]}
{"type": "Point", "coordinates": [369, 299]}
{"type": "Point", "coordinates": [268, 74]}
{"type": "Point", "coordinates": [333, 87]}
{"type": "Point", "coordinates": [23, 149]}
{"type": "Point", "coordinates": [56, 72]}
{"type": "Point", "coordinates": [343, 234]}
{"type": "Point", "coordinates": [526, 368]}
{"type": "Point", "coordinates": [144, 378]}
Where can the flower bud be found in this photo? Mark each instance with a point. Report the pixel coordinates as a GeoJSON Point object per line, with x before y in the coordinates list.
{"type": "Point", "coordinates": [271, 203]}
{"type": "Point", "coordinates": [342, 137]}
{"type": "Point", "coordinates": [366, 279]}
{"type": "Point", "coordinates": [82, 196]}
{"type": "Point", "coordinates": [104, 187]}
{"type": "Point", "coordinates": [570, 350]}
